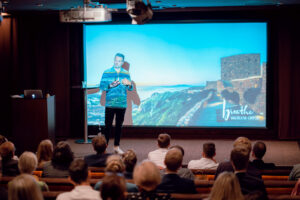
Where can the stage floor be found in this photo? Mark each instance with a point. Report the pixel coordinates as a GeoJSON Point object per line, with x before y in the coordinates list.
{"type": "Point", "coordinates": [282, 153]}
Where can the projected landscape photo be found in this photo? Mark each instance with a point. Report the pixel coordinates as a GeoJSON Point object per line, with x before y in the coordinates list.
{"type": "Point", "coordinates": [205, 80]}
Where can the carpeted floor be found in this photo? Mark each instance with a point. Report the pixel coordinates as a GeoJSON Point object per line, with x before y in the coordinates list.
{"type": "Point", "coordinates": [282, 153]}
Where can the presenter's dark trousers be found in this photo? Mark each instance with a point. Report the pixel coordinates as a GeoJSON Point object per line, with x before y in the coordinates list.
{"type": "Point", "coordinates": [109, 117]}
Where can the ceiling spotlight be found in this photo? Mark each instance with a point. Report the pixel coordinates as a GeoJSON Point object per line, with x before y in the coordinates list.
{"type": "Point", "coordinates": [139, 12]}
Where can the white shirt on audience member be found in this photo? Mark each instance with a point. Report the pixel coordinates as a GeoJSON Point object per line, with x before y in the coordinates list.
{"type": "Point", "coordinates": [80, 192]}
{"type": "Point", "coordinates": [158, 156]}
{"type": "Point", "coordinates": [203, 163]}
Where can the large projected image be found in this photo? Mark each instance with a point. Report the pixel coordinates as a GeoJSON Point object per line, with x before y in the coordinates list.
{"type": "Point", "coordinates": [183, 75]}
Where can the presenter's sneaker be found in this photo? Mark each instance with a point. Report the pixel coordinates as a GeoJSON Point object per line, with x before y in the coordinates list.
{"type": "Point", "coordinates": [117, 150]}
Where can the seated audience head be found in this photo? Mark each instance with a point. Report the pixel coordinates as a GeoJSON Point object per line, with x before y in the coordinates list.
{"type": "Point", "coordinates": [114, 164]}
{"type": "Point", "coordinates": [239, 158]}
{"type": "Point", "coordinates": [113, 187]}
{"type": "Point", "coordinates": [259, 150]}
{"type": "Point", "coordinates": [209, 150]}
{"type": "Point", "coordinates": [7, 150]}
{"type": "Point", "coordinates": [44, 151]}
{"type": "Point", "coordinates": [62, 156]}
{"type": "Point", "coordinates": [146, 176]}
{"type": "Point", "coordinates": [173, 159]}
{"type": "Point", "coordinates": [243, 141]}
{"type": "Point", "coordinates": [163, 140]}
{"type": "Point", "coordinates": [179, 148]}
{"type": "Point", "coordinates": [2, 139]}
{"type": "Point", "coordinates": [226, 187]}
{"type": "Point", "coordinates": [24, 187]}
{"type": "Point", "coordinates": [129, 159]}
{"type": "Point", "coordinates": [27, 162]}
{"type": "Point", "coordinates": [99, 144]}
{"type": "Point", "coordinates": [78, 171]}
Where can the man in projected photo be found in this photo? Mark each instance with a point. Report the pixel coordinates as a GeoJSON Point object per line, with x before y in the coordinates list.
{"type": "Point", "coordinates": [116, 82]}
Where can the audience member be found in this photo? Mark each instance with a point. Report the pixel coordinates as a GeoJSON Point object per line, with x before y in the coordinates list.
{"type": "Point", "coordinates": [9, 165]}
{"type": "Point", "coordinates": [258, 152]}
{"type": "Point", "coordinates": [60, 162]}
{"type": "Point", "coordinates": [158, 156]}
{"type": "Point", "coordinates": [240, 158]}
{"type": "Point", "coordinates": [129, 159]}
{"type": "Point", "coordinates": [226, 187]}
{"type": "Point", "coordinates": [207, 161]}
{"type": "Point", "coordinates": [113, 187]}
{"type": "Point", "coordinates": [183, 172]}
{"type": "Point", "coordinates": [27, 164]}
{"type": "Point", "coordinates": [24, 187]}
{"type": "Point", "coordinates": [227, 166]}
{"type": "Point", "coordinates": [79, 177]}
{"type": "Point", "coordinates": [147, 177]}
{"type": "Point", "coordinates": [98, 159]}
{"type": "Point", "coordinates": [295, 173]}
{"type": "Point", "coordinates": [171, 182]}
{"type": "Point", "coordinates": [44, 152]}
{"type": "Point", "coordinates": [115, 165]}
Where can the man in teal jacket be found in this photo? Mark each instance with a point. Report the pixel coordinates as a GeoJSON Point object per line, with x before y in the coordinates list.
{"type": "Point", "coordinates": [115, 81]}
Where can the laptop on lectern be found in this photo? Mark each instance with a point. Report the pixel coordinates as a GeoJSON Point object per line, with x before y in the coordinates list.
{"type": "Point", "coordinates": [33, 94]}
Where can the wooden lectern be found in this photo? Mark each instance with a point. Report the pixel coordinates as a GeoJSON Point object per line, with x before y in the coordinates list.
{"type": "Point", "coordinates": [33, 121]}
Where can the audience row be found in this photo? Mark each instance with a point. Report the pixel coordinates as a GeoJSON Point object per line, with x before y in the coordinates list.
{"type": "Point", "coordinates": [161, 173]}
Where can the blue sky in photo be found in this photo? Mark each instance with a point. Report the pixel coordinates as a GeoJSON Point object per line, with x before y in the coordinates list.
{"type": "Point", "coordinates": [170, 54]}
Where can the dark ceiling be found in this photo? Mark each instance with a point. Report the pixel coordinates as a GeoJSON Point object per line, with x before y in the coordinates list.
{"type": "Point", "coordinates": [18, 5]}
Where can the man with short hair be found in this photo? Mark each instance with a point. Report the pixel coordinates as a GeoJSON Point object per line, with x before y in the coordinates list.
{"type": "Point", "coordinates": [207, 161]}
{"type": "Point", "coordinates": [227, 166]}
{"type": "Point", "coordinates": [98, 159]}
{"type": "Point", "coordinates": [158, 156]}
{"type": "Point", "coordinates": [79, 176]}
{"type": "Point", "coordinates": [171, 181]}
{"type": "Point", "coordinates": [258, 152]}
{"type": "Point", "coordinates": [9, 165]}
{"type": "Point", "coordinates": [239, 158]}
{"type": "Point", "coordinates": [115, 82]}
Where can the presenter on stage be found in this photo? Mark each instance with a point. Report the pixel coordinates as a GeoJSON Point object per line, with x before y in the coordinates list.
{"type": "Point", "coordinates": [115, 81]}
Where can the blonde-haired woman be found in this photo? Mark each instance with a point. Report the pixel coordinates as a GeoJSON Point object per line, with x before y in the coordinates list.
{"type": "Point", "coordinates": [44, 152]}
{"type": "Point", "coordinates": [226, 187]}
{"type": "Point", "coordinates": [115, 165]}
{"type": "Point", "coordinates": [24, 187]}
{"type": "Point", "coordinates": [27, 164]}
{"type": "Point", "coordinates": [147, 177]}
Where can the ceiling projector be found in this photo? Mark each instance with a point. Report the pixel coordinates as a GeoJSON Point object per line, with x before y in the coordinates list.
{"type": "Point", "coordinates": [139, 12]}
{"type": "Point", "coordinates": [85, 14]}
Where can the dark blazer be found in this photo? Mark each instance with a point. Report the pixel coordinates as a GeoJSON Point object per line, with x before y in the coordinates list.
{"type": "Point", "coordinates": [3, 194]}
{"type": "Point", "coordinates": [226, 166]}
{"type": "Point", "coordinates": [10, 167]}
{"type": "Point", "coordinates": [96, 160]}
{"type": "Point", "coordinates": [172, 183]}
{"type": "Point", "coordinates": [250, 184]}
{"type": "Point", "coordinates": [260, 164]}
